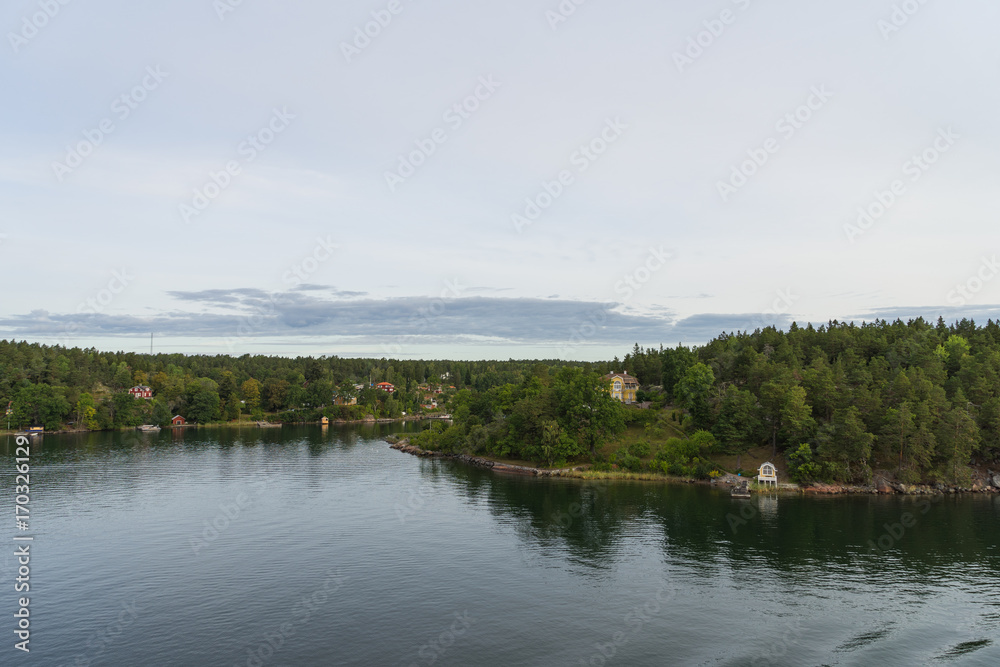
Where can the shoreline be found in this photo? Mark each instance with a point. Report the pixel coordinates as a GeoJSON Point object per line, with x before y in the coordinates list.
{"type": "Point", "coordinates": [240, 424]}
{"type": "Point", "coordinates": [880, 487]}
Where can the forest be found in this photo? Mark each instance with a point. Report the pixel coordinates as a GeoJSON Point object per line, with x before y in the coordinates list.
{"type": "Point", "coordinates": [54, 386]}
{"type": "Point", "coordinates": [839, 401]}
{"type": "Point", "coordinates": [915, 400]}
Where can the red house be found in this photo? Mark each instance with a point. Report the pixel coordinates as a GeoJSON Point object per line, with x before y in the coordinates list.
{"type": "Point", "coordinates": [385, 386]}
{"type": "Point", "coordinates": [178, 421]}
{"type": "Point", "coordinates": [141, 391]}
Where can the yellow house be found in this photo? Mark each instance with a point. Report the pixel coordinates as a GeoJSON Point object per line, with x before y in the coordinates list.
{"type": "Point", "coordinates": [622, 386]}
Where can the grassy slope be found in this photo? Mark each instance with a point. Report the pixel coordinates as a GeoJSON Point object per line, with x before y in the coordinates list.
{"type": "Point", "coordinates": [749, 462]}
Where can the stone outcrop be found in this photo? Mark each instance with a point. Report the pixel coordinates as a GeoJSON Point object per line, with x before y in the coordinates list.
{"type": "Point", "coordinates": [880, 484]}
{"type": "Point", "coordinates": [479, 462]}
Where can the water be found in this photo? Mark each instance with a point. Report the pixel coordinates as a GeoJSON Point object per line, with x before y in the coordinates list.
{"type": "Point", "coordinates": [341, 551]}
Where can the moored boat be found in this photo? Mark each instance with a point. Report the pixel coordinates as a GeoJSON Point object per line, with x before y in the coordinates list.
{"type": "Point", "coordinates": [740, 491]}
{"type": "Point", "coordinates": [148, 428]}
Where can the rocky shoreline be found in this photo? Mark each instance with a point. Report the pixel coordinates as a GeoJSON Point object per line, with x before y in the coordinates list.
{"type": "Point", "coordinates": [883, 486]}
{"type": "Point", "coordinates": [405, 447]}
{"type": "Point", "coordinates": [989, 483]}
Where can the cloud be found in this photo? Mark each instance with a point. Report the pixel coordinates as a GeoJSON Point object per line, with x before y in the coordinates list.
{"type": "Point", "coordinates": [311, 312]}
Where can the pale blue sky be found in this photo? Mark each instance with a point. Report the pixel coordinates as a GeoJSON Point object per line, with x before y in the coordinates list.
{"type": "Point", "coordinates": [307, 249]}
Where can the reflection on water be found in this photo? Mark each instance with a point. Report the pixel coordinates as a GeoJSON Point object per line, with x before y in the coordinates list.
{"type": "Point", "coordinates": [222, 535]}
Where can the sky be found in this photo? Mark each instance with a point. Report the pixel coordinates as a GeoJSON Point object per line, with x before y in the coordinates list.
{"type": "Point", "coordinates": [475, 180]}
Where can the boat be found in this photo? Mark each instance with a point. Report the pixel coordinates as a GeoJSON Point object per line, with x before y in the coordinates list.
{"type": "Point", "coordinates": [148, 428]}
{"type": "Point", "coordinates": [740, 491]}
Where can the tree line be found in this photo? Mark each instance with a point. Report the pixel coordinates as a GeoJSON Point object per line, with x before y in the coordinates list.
{"type": "Point", "coordinates": [53, 385]}
{"type": "Point", "coordinates": [839, 401]}
{"type": "Point", "coordinates": [917, 399]}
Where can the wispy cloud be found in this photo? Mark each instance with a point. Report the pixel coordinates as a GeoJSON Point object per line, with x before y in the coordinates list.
{"type": "Point", "coordinates": [324, 311]}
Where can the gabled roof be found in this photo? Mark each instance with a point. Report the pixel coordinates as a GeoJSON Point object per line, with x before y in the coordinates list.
{"type": "Point", "coordinates": [623, 376]}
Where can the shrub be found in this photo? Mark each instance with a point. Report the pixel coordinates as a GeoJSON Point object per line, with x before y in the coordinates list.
{"type": "Point", "coordinates": [626, 460]}
{"type": "Point", "coordinates": [802, 467]}
{"type": "Point", "coordinates": [639, 449]}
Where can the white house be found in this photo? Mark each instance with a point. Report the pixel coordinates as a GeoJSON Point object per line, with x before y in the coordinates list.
{"type": "Point", "coordinates": [767, 474]}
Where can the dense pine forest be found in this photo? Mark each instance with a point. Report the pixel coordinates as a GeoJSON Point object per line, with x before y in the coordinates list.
{"type": "Point", "coordinates": [917, 399]}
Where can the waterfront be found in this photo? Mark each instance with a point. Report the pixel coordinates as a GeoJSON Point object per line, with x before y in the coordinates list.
{"type": "Point", "coordinates": [312, 546]}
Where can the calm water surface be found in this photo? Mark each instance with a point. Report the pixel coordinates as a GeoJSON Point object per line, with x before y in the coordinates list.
{"type": "Point", "coordinates": [310, 546]}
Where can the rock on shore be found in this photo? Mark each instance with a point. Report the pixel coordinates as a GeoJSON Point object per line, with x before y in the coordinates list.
{"type": "Point", "coordinates": [405, 447]}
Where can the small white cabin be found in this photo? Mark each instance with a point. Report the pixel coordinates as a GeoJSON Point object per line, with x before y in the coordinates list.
{"type": "Point", "coordinates": [767, 474]}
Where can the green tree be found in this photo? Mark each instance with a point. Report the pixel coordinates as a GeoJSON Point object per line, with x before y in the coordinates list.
{"type": "Point", "coordinates": [40, 404]}
{"type": "Point", "coordinates": [204, 406]}
{"type": "Point", "coordinates": [275, 394]}
{"type": "Point", "coordinates": [250, 391]}
{"type": "Point", "coordinates": [318, 393]}
{"type": "Point", "coordinates": [122, 378]}
{"type": "Point", "coordinates": [957, 438]}
{"type": "Point", "coordinates": [86, 412]}
{"type": "Point", "coordinates": [692, 393]}
{"type": "Point", "coordinates": [233, 409]}
{"type": "Point", "coordinates": [899, 431]}
{"type": "Point", "coordinates": [125, 410]}
{"type": "Point", "coordinates": [802, 467]}
{"type": "Point", "coordinates": [586, 408]}
{"type": "Point", "coordinates": [738, 426]}
{"type": "Point", "coordinates": [227, 387]}
{"type": "Point", "coordinates": [953, 352]}
{"type": "Point", "coordinates": [796, 416]}
{"type": "Point", "coordinates": [848, 442]}
{"type": "Point", "coordinates": [161, 413]}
